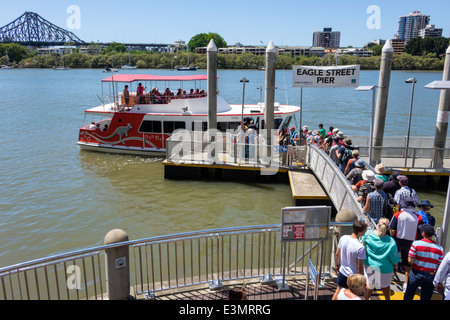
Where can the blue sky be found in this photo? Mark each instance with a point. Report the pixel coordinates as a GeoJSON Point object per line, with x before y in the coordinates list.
{"type": "Point", "coordinates": [250, 22]}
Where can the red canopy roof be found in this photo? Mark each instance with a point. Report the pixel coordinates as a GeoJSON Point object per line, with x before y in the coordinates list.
{"type": "Point", "coordinates": [147, 77]}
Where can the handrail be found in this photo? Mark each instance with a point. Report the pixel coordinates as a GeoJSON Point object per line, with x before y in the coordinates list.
{"type": "Point", "coordinates": [222, 254]}
{"type": "Point", "coordinates": [335, 183]}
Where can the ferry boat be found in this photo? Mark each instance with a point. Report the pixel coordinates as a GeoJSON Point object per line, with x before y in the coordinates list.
{"type": "Point", "coordinates": [142, 126]}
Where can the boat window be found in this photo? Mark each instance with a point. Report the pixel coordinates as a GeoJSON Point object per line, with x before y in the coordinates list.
{"type": "Point", "coordinates": [171, 126]}
{"type": "Point", "coordinates": [276, 123]}
{"type": "Point", "coordinates": [224, 126]}
{"type": "Point", "coordinates": [197, 125]}
{"type": "Point", "coordinates": [150, 126]}
{"type": "Point", "coordinates": [286, 121]}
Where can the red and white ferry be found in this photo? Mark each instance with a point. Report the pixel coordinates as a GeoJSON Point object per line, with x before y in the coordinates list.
{"type": "Point", "coordinates": [142, 126]}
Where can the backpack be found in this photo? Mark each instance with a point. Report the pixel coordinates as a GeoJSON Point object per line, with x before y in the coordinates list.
{"type": "Point", "coordinates": [347, 155]}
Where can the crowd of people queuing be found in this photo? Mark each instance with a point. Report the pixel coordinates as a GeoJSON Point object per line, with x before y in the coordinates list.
{"type": "Point", "coordinates": [404, 239]}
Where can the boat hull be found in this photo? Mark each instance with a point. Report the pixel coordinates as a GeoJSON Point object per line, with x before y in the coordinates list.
{"type": "Point", "coordinates": [97, 147]}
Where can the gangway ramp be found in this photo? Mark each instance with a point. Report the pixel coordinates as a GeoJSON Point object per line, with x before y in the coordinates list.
{"type": "Point", "coordinates": [334, 183]}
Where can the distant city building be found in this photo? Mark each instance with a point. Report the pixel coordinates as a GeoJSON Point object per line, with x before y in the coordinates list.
{"type": "Point", "coordinates": [57, 49]}
{"type": "Point", "coordinates": [327, 38]}
{"type": "Point", "coordinates": [398, 45]}
{"type": "Point", "coordinates": [430, 31]}
{"type": "Point", "coordinates": [409, 26]}
{"type": "Point", "coordinates": [358, 52]}
{"type": "Point", "coordinates": [372, 43]}
{"type": "Point", "coordinates": [261, 50]}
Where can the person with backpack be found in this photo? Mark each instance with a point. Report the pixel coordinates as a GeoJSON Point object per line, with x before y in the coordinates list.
{"type": "Point", "coordinates": [344, 154]}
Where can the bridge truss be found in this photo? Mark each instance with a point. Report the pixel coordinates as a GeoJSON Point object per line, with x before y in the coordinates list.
{"type": "Point", "coordinates": [30, 29]}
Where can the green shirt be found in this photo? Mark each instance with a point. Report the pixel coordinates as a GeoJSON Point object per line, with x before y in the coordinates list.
{"type": "Point", "coordinates": [322, 133]}
{"type": "Point", "coordinates": [382, 252]}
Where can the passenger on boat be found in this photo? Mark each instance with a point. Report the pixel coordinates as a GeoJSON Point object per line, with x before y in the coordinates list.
{"type": "Point", "coordinates": [197, 93]}
{"type": "Point", "coordinates": [184, 95]}
{"type": "Point", "coordinates": [202, 93]}
{"type": "Point", "coordinates": [126, 96]}
{"type": "Point", "coordinates": [166, 97]}
{"type": "Point", "coordinates": [92, 125]}
{"type": "Point", "coordinates": [155, 96]}
{"type": "Point", "coordinates": [105, 128]}
{"type": "Point", "coordinates": [179, 94]}
{"type": "Point", "coordinates": [140, 93]}
{"type": "Point", "coordinates": [191, 94]}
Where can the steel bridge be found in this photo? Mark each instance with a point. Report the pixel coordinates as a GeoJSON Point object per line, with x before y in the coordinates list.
{"type": "Point", "coordinates": [30, 29]}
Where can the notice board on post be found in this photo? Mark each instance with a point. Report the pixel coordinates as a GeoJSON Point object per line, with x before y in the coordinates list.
{"type": "Point", "coordinates": [326, 76]}
{"type": "Point", "coordinates": [305, 223]}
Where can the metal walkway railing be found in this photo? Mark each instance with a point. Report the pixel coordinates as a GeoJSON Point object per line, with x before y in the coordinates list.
{"type": "Point", "coordinates": [335, 183]}
{"type": "Point", "coordinates": [162, 263]}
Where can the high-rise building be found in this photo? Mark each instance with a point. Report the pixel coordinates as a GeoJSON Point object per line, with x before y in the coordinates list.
{"type": "Point", "coordinates": [430, 31]}
{"type": "Point", "coordinates": [409, 26]}
{"type": "Point", "coordinates": [326, 38]}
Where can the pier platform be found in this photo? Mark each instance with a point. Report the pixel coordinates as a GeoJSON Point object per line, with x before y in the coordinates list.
{"type": "Point", "coordinates": [306, 189]}
{"type": "Point", "coordinates": [257, 292]}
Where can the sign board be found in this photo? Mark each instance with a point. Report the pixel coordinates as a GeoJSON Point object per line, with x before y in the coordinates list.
{"type": "Point", "coordinates": [326, 76]}
{"type": "Point", "coordinates": [305, 223]}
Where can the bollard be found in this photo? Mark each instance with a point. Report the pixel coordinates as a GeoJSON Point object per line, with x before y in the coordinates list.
{"type": "Point", "coordinates": [382, 100]}
{"type": "Point", "coordinates": [271, 57]}
{"type": "Point", "coordinates": [117, 266]}
{"type": "Point", "coordinates": [440, 136]}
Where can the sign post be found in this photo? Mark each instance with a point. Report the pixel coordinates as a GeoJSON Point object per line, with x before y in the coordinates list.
{"type": "Point", "coordinates": [303, 224]}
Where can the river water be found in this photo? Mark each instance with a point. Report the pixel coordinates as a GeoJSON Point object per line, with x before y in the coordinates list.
{"type": "Point", "coordinates": [55, 198]}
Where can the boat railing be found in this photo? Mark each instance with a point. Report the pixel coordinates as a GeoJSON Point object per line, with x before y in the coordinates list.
{"type": "Point", "coordinates": [150, 98]}
{"type": "Point", "coordinates": [159, 264]}
{"type": "Point", "coordinates": [230, 148]}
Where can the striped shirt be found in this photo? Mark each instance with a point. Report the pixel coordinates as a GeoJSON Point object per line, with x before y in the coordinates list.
{"type": "Point", "coordinates": [427, 255]}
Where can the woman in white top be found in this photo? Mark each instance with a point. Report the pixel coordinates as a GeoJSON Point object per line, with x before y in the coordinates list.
{"type": "Point", "coordinates": [356, 285]}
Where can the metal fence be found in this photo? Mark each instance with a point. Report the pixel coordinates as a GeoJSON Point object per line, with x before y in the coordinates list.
{"type": "Point", "coordinates": [162, 263]}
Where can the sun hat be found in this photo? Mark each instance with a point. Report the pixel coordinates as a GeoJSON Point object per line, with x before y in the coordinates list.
{"type": "Point", "coordinates": [407, 202]}
{"type": "Point", "coordinates": [368, 175]}
{"type": "Point", "coordinates": [425, 202]}
{"type": "Point", "coordinates": [347, 142]}
{"type": "Point", "coordinates": [360, 163]}
{"type": "Point", "coordinates": [380, 169]}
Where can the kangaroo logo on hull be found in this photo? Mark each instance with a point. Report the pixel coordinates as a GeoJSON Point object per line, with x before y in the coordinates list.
{"type": "Point", "coordinates": [121, 131]}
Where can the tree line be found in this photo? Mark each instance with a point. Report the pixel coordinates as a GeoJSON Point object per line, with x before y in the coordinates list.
{"type": "Point", "coordinates": [116, 55]}
{"type": "Point", "coordinates": [144, 60]}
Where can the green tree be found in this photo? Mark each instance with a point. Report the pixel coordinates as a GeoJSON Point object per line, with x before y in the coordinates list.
{"type": "Point", "coordinates": [377, 49]}
{"type": "Point", "coordinates": [16, 52]}
{"type": "Point", "coordinates": [203, 39]}
{"type": "Point", "coordinates": [115, 47]}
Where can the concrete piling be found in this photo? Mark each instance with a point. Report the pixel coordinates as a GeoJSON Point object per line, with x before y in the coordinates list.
{"type": "Point", "coordinates": [117, 265]}
{"type": "Point", "coordinates": [271, 54]}
{"type": "Point", "coordinates": [382, 99]}
{"type": "Point", "coordinates": [212, 84]}
{"type": "Point", "coordinates": [440, 136]}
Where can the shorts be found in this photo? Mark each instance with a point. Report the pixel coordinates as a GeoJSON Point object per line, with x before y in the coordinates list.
{"type": "Point", "coordinates": [376, 279]}
{"type": "Point", "coordinates": [403, 247]}
{"type": "Point", "coordinates": [342, 281]}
